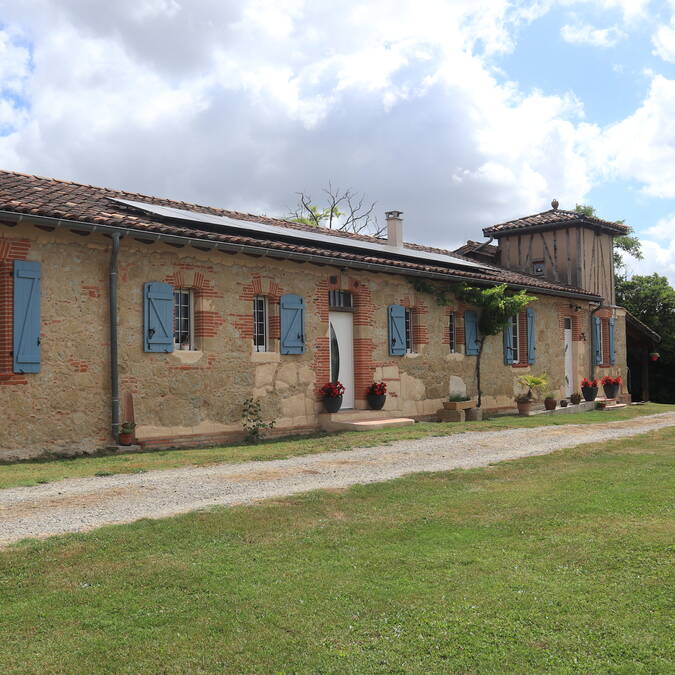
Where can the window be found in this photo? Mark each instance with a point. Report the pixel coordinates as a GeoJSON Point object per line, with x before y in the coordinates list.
{"type": "Point", "coordinates": [260, 323]}
{"type": "Point", "coordinates": [515, 338]}
{"type": "Point", "coordinates": [452, 332]}
{"type": "Point", "coordinates": [601, 343]}
{"type": "Point", "coordinates": [340, 300]}
{"type": "Point", "coordinates": [538, 268]}
{"type": "Point", "coordinates": [183, 319]}
{"type": "Point", "coordinates": [409, 346]}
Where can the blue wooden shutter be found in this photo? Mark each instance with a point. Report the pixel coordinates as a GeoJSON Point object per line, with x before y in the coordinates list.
{"type": "Point", "coordinates": [471, 333]}
{"type": "Point", "coordinates": [397, 337]}
{"type": "Point", "coordinates": [26, 324]}
{"type": "Point", "coordinates": [508, 343]}
{"type": "Point", "coordinates": [158, 311]}
{"type": "Point", "coordinates": [597, 341]}
{"type": "Point", "coordinates": [531, 336]}
{"type": "Point", "coordinates": [612, 342]}
{"type": "Point", "coordinates": [292, 324]}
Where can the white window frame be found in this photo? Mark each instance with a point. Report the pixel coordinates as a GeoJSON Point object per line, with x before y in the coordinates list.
{"type": "Point", "coordinates": [257, 304]}
{"type": "Point", "coordinates": [515, 339]}
{"type": "Point", "coordinates": [409, 342]}
{"type": "Point", "coordinates": [452, 328]}
{"type": "Point", "coordinates": [190, 319]}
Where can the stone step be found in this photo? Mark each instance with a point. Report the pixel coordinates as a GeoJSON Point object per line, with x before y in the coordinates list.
{"type": "Point", "coordinates": [366, 424]}
{"type": "Point", "coordinates": [354, 415]}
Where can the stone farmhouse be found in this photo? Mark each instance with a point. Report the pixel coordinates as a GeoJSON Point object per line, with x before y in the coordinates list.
{"type": "Point", "coordinates": [117, 306]}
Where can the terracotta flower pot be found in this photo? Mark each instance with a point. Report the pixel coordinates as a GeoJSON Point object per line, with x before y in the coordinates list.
{"type": "Point", "coordinates": [524, 408]}
{"type": "Point", "coordinates": [376, 401]}
{"type": "Point", "coordinates": [589, 393]}
{"type": "Point", "coordinates": [550, 403]}
{"type": "Point", "coordinates": [332, 404]}
{"type": "Point", "coordinates": [125, 438]}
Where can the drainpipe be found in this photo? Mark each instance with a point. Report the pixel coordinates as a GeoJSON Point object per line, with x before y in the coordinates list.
{"type": "Point", "coordinates": [114, 373]}
{"type": "Point", "coordinates": [598, 308]}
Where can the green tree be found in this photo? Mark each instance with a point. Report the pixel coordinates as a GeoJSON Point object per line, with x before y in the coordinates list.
{"type": "Point", "coordinates": [652, 300]}
{"type": "Point", "coordinates": [627, 243]}
{"type": "Point", "coordinates": [497, 305]}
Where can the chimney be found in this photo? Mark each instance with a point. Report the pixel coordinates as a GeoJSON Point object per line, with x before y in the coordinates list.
{"type": "Point", "coordinates": [394, 228]}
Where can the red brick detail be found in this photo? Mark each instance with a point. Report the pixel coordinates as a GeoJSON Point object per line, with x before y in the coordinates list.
{"type": "Point", "coordinates": [321, 299]}
{"type": "Point", "coordinates": [10, 250]}
{"type": "Point", "coordinates": [259, 285]}
{"type": "Point", "coordinates": [79, 366]}
{"type": "Point", "coordinates": [364, 367]}
{"type": "Point", "coordinates": [364, 308]}
{"type": "Point", "coordinates": [200, 284]}
{"type": "Point", "coordinates": [579, 320]}
{"type": "Point", "coordinates": [320, 362]}
{"type": "Point", "coordinates": [207, 323]}
{"type": "Point", "coordinates": [420, 331]}
{"type": "Point", "coordinates": [130, 383]}
{"type": "Point", "coordinates": [90, 291]}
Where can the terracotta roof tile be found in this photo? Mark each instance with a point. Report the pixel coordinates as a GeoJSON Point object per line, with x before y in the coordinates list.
{"type": "Point", "coordinates": [49, 197]}
{"type": "Point", "coordinates": [553, 218]}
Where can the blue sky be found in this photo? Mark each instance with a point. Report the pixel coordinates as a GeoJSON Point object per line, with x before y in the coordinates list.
{"type": "Point", "coordinates": [461, 113]}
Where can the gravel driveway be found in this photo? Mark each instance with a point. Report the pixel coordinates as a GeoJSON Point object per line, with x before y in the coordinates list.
{"type": "Point", "coordinates": [79, 504]}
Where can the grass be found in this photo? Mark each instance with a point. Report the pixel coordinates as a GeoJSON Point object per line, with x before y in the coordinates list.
{"type": "Point", "coordinates": [45, 471]}
{"type": "Point", "coordinates": [559, 563]}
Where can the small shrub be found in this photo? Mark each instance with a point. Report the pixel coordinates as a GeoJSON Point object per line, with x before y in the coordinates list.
{"type": "Point", "coordinates": [252, 420]}
{"type": "Point", "coordinates": [575, 398]}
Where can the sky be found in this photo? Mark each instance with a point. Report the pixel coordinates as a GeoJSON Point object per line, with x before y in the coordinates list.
{"type": "Point", "coordinates": [460, 113]}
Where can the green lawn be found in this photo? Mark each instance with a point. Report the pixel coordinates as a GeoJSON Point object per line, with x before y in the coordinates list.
{"type": "Point", "coordinates": [559, 563]}
{"type": "Point", "coordinates": [30, 473]}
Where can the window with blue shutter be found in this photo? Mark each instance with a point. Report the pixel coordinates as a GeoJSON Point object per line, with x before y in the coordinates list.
{"type": "Point", "coordinates": [471, 333]}
{"type": "Point", "coordinates": [531, 336]}
{"type": "Point", "coordinates": [26, 312]}
{"type": "Point", "coordinates": [597, 341]}
{"type": "Point", "coordinates": [397, 330]}
{"type": "Point", "coordinates": [612, 342]}
{"type": "Point", "coordinates": [158, 312]}
{"type": "Point", "coordinates": [508, 343]}
{"type": "Point", "coordinates": [292, 310]}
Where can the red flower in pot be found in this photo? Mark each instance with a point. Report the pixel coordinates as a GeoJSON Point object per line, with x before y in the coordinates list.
{"type": "Point", "coordinates": [611, 385]}
{"type": "Point", "coordinates": [589, 389]}
{"type": "Point", "coordinates": [332, 396]}
{"type": "Point", "coordinates": [377, 395]}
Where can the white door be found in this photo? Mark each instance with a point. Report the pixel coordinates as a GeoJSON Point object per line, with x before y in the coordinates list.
{"type": "Point", "coordinates": [569, 361]}
{"type": "Point", "coordinates": [341, 330]}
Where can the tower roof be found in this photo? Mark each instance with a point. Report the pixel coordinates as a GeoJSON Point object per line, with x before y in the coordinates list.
{"type": "Point", "coordinates": [552, 219]}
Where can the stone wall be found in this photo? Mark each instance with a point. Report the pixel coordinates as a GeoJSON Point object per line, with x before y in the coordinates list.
{"type": "Point", "coordinates": [195, 396]}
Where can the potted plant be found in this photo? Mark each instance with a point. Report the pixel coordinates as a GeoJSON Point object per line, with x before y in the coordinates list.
{"type": "Point", "coordinates": [550, 402]}
{"type": "Point", "coordinates": [126, 435]}
{"type": "Point", "coordinates": [575, 398]}
{"type": "Point", "coordinates": [654, 356]}
{"type": "Point", "coordinates": [600, 405]}
{"type": "Point", "coordinates": [534, 384]}
{"type": "Point", "coordinates": [589, 389]}
{"type": "Point", "coordinates": [611, 385]}
{"type": "Point", "coordinates": [332, 396]}
{"type": "Point", "coordinates": [458, 402]}
{"type": "Point", "coordinates": [377, 395]}
{"type": "Point", "coordinates": [563, 403]}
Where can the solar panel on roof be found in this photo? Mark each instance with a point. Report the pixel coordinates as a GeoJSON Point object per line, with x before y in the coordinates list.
{"type": "Point", "coordinates": [300, 235]}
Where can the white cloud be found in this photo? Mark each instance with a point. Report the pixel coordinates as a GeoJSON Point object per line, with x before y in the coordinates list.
{"type": "Point", "coordinates": [596, 37]}
{"type": "Point", "coordinates": [642, 146]}
{"type": "Point", "coordinates": [241, 104]}
{"type": "Point", "coordinates": [659, 258]}
{"type": "Point", "coordinates": [664, 228]}
{"type": "Point", "coordinates": [664, 42]}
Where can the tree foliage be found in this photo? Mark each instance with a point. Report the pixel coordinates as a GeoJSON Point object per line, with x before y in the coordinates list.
{"type": "Point", "coordinates": [651, 299]}
{"type": "Point", "coordinates": [344, 210]}
{"type": "Point", "coordinates": [496, 306]}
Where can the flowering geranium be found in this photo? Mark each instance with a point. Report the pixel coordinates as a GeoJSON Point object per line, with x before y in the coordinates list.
{"type": "Point", "coordinates": [587, 384]}
{"type": "Point", "coordinates": [608, 379]}
{"type": "Point", "coordinates": [377, 388]}
{"type": "Point", "coordinates": [332, 389]}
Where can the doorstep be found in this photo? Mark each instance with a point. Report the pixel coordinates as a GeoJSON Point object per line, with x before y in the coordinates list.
{"type": "Point", "coordinates": [362, 420]}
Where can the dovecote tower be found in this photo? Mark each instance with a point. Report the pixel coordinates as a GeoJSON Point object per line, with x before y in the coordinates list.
{"type": "Point", "coordinates": [563, 246]}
